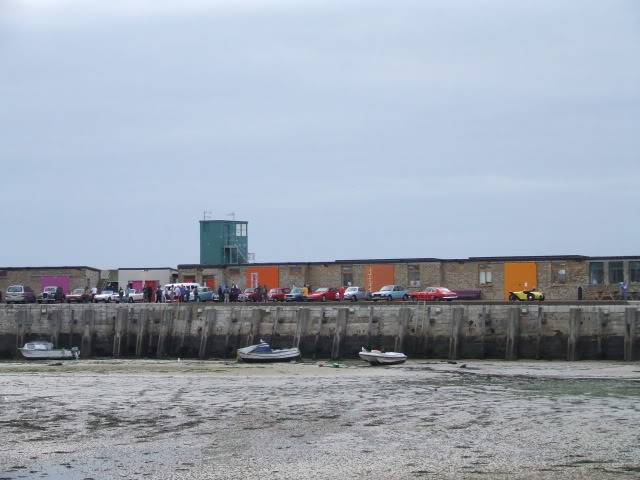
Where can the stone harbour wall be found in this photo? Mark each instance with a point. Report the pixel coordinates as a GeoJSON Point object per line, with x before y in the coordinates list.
{"type": "Point", "coordinates": [445, 331]}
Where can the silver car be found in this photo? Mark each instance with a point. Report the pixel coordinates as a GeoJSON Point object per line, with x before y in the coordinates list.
{"type": "Point", "coordinates": [20, 294]}
{"type": "Point", "coordinates": [356, 293]}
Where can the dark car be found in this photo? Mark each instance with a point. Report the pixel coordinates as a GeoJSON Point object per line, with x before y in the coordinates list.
{"type": "Point", "coordinates": [51, 294]}
{"type": "Point", "coordinates": [277, 294]}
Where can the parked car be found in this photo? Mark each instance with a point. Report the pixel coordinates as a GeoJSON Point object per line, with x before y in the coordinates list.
{"type": "Point", "coordinates": [356, 293]}
{"type": "Point", "coordinates": [434, 294]}
{"type": "Point", "coordinates": [205, 294]}
{"type": "Point", "coordinates": [526, 296]}
{"type": "Point", "coordinates": [133, 297]}
{"type": "Point", "coordinates": [295, 295]}
{"type": "Point", "coordinates": [323, 294]}
{"type": "Point", "coordinates": [469, 294]}
{"type": "Point", "coordinates": [249, 295]}
{"type": "Point", "coordinates": [20, 294]}
{"type": "Point", "coordinates": [51, 294]}
{"type": "Point", "coordinates": [391, 292]}
{"type": "Point", "coordinates": [79, 295]}
{"type": "Point", "coordinates": [277, 294]}
{"type": "Point", "coordinates": [106, 296]}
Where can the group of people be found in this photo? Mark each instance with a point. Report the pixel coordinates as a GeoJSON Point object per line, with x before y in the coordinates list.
{"type": "Point", "coordinates": [228, 294]}
{"type": "Point", "coordinates": [177, 293]}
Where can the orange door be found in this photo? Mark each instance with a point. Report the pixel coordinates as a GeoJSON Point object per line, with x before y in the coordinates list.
{"type": "Point", "coordinates": [519, 276]}
{"type": "Point", "coordinates": [267, 276]}
{"type": "Point", "coordinates": [377, 276]}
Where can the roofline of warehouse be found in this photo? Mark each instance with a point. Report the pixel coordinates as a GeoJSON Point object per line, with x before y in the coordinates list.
{"type": "Point", "coordinates": [148, 268]}
{"type": "Point", "coordinates": [532, 258]}
{"type": "Point", "coordinates": [77, 267]}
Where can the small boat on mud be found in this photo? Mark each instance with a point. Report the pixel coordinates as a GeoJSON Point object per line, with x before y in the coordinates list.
{"type": "Point", "coordinates": [262, 352]}
{"type": "Point", "coordinates": [45, 351]}
{"type": "Point", "coordinates": [376, 357]}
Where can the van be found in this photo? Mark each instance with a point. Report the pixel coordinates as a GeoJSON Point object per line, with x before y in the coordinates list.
{"type": "Point", "coordinates": [20, 294]}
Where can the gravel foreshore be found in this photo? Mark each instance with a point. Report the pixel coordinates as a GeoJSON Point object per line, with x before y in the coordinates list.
{"type": "Point", "coordinates": [104, 419]}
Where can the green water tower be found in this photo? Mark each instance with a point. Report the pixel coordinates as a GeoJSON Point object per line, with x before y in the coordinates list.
{"type": "Point", "coordinates": [223, 242]}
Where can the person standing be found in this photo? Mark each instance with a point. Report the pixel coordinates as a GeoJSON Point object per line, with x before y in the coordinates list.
{"type": "Point", "coordinates": [220, 294]}
{"type": "Point", "coordinates": [624, 288]}
{"type": "Point", "coordinates": [196, 296]}
{"type": "Point", "coordinates": [159, 294]}
{"type": "Point", "coordinates": [120, 294]}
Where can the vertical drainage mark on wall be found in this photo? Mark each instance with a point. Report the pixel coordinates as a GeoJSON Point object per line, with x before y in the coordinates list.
{"type": "Point", "coordinates": [575, 315]}
{"type": "Point", "coordinates": [341, 328]}
{"type": "Point", "coordinates": [454, 334]}
{"type": "Point", "coordinates": [513, 327]}
{"type": "Point", "coordinates": [629, 332]}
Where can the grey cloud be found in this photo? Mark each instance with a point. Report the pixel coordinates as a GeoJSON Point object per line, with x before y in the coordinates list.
{"type": "Point", "coordinates": [337, 130]}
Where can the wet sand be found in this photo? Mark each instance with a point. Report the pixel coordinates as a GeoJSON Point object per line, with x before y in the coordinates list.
{"type": "Point", "coordinates": [104, 419]}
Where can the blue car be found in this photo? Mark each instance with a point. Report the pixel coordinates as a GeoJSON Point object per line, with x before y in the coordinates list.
{"type": "Point", "coordinates": [205, 294]}
{"type": "Point", "coordinates": [295, 295]}
{"type": "Point", "coordinates": [391, 292]}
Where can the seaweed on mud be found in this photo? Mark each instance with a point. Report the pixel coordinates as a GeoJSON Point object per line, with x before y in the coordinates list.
{"type": "Point", "coordinates": [21, 424]}
{"type": "Point", "coordinates": [102, 420]}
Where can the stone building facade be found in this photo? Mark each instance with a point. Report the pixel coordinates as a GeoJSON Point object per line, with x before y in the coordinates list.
{"type": "Point", "coordinates": [37, 278]}
{"type": "Point", "coordinates": [568, 277]}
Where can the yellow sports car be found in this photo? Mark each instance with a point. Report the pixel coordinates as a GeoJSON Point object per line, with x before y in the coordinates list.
{"type": "Point", "coordinates": [526, 296]}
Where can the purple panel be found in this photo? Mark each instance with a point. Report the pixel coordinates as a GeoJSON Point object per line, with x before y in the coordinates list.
{"type": "Point", "coordinates": [57, 281]}
{"type": "Point", "coordinates": [137, 285]}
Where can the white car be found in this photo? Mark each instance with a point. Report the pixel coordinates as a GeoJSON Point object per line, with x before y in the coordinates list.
{"type": "Point", "coordinates": [106, 296]}
{"type": "Point", "coordinates": [133, 297]}
{"type": "Point", "coordinates": [356, 293]}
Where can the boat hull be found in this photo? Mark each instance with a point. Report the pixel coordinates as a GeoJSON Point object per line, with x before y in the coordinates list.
{"type": "Point", "coordinates": [62, 354]}
{"type": "Point", "coordinates": [382, 359]}
{"type": "Point", "coordinates": [275, 356]}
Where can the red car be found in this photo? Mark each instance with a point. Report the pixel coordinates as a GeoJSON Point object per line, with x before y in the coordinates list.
{"type": "Point", "coordinates": [277, 294]}
{"type": "Point", "coordinates": [323, 294]}
{"type": "Point", "coordinates": [249, 295]}
{"type": "Point", "coordinates": [431, 294]}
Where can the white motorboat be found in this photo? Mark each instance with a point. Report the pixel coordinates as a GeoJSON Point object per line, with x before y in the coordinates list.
{"type": "Point", "coordinates": [376, 357]}
{"type": "Point", "coordinates": [45, 351]}
{"type": "Point", "coordinates": [262, 352]}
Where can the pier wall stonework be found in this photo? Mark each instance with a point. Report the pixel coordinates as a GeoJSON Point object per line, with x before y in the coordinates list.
{"type": "Point", "coordinates": [446, 331]}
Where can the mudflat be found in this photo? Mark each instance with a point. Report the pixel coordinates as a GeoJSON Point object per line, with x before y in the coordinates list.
{"type": "Point", "coordinates": [104, 419]}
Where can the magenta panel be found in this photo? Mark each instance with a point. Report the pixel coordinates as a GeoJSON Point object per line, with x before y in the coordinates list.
{"type": "Point", "coordinates": [57, 281]}
{"type": "Point", "coordinates": [137, 285]}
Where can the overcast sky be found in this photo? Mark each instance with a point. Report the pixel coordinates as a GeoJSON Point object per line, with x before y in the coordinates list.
{"type": "Point", "coordinates": [346, 129]}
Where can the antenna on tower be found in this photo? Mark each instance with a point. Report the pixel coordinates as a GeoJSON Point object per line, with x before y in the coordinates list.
{"type": "Point", "coordinates": [207, 214]}
{"type": "Point", "coordinates": [232, 215]}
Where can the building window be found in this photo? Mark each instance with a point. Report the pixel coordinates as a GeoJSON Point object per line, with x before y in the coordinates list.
{"type": "Point", "coordinates": [241, 229]}
{"type": "Point", "coordinates": [3, 273]}
{"type": "Point", "coordinates": [559, 272]}
{"type": "Point", "coordinates": [233, 271]}
{"type": "Point", "coordinates": [616, 272]}
{"type": "Point", "coordinates": [634, 271]}
{"type": "Point", "coordinates": [486, 275]}
{"type": "Point", "coordinates": [413, 274]}
{"type": "Point", "coordinates": [295, 270]}
{"type": "Point", "coordinates": [347, 275]}
{"type": "Point", "coordinates": [596, 273]}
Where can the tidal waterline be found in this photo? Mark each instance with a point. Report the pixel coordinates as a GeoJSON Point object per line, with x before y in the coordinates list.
{"type": "Point", "coordinates": [425, 419]}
